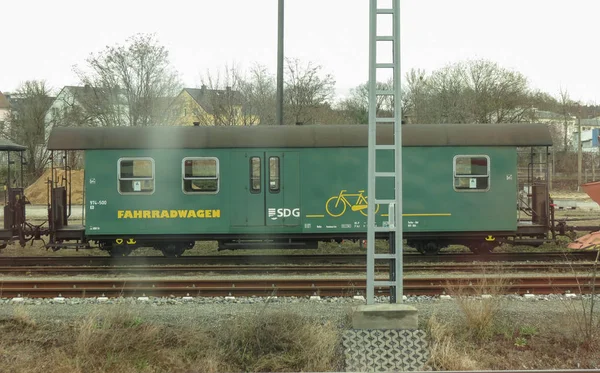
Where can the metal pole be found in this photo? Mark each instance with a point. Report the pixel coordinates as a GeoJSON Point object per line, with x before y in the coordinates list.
{"type": "Point", "coordinates": [372, 153]}
{"type": "Point", "coordinates": [280, 64]}
{"type": "Point", "coordinates": [579, 155]}
{"type": "Point", "coordinates": [593, 165]}
{"type": "Point", "coordinates": [8, 172]}
{"type": "Point", "coordinates": [398, 153]}
{"type": "Point", "coordinates": [551, 170]}
{"type": "Point", "coordinates": [541, 163]}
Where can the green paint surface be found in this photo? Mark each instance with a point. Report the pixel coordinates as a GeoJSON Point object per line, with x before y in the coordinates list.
{"type": "Point", "coordinates": [311, 182]}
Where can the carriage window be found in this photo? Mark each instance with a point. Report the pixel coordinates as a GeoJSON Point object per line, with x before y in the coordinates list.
{"type": "Point", "coordinates": [136, 175]}
{"type": "Point", "coordinates": [471, 173]}
{"type": "Point", "coordinates": [274, 174]}
{"type": "Point", "coordinates": [255, 175]}
{"type": "Point", "coordinates": [200, 175]}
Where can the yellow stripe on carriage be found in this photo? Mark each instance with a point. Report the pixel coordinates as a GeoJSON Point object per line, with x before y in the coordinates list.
{"type": "Point", "coordinates": [434, 214]}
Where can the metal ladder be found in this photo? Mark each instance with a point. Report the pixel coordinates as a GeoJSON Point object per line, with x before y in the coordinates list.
{"type": "Point", "coordinates": [376, 13]}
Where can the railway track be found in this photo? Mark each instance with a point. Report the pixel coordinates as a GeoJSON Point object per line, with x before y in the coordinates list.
{"type": "Point", "coordinates": [276, 287]}
{"type": "Point", "coordinates": [289, 259]}
{"type": "Point", "coordinates": [296, 269]}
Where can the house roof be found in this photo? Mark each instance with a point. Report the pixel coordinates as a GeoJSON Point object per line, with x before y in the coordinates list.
{"type": "Point", "coordinates": [208, 99]}
{"type": "Point", "coordinates": [173, 137]}
{"type": "Point", "coordinates": [544, 114]}
{"type": "Point", "coordinates": [591, 122]}
{"type": "Point", "coordinates": [4, 104]}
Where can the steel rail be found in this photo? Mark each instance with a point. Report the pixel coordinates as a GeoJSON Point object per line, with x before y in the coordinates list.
{"type": "Point", "coordinates": [339, 287]}
{"type": "Point", "coordinates": [289, 259]}
{"type": "Point", "coordinates": [304, 269]}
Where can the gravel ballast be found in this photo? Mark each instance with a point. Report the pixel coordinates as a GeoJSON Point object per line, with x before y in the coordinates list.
{"type": "Point", "coordinates": [174, 310]}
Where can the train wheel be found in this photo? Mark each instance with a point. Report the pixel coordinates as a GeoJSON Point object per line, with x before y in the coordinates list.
{"type": "Point", "coordinates": [428, 248]}
{"type": "Point", "coordinates": [482, 248]}
{"type": "Point", "coordinates": [119, 251]}
{"type": "Point", "coordinates": [173, 250]}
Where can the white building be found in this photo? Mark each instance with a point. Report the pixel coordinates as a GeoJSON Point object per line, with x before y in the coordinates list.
{"type": "Point", "coordinates": [4, 108]}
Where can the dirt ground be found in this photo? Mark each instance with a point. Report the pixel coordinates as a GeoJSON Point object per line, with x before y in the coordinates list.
{"type": "Point", "coordinates": [37, 193]}
{"type": "Point", "coordinates": [570, 195]}
{"type": "Point", "coordinates": [283, 336]}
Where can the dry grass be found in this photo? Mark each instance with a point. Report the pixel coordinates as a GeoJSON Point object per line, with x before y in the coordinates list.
{"type": "Point", "coordinates": [586, 322]}
{"type": "Point", "coordinates": [485, 337]}
{"type": "Point", "coordinates": [446, 352]}
{"type": "Point", "coordinates": [118, 340]}
{"type": "Point", "coordinates": [273, 342]}
{"type": "Point", "coordinates": [480, 301]}
{"type": "Point", "coordinates": [454, 346]}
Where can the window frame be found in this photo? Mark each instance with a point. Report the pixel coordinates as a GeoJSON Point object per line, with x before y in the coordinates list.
{"type": "Point", "coordinates": [252, 178]}
{"type": "Point", "coordinates": [184, 178]}
{"type": "Point", "coordinates": [271, 190]}
{"type": "Point", "coordinates": [488, 174]}
{"type": "Point", "coordinates": [119, 178]}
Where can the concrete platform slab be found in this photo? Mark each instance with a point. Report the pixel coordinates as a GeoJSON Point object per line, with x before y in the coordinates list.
{"type": "Point", "coordinates": [385, 316]}
{"type": "Point", "coordinates": [385, 350]}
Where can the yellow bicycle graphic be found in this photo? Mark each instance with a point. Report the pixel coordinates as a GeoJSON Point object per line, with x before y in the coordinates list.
{"type": "Point", "coordinates": [336, 205]}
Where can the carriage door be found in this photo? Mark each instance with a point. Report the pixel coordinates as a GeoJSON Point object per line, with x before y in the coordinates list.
{"type": "Point", "coordinates": [248, 189]}
{"type": "Point", "coordinates": [265, 189]}
{"type": "Point", "coordinates": [282, 189]}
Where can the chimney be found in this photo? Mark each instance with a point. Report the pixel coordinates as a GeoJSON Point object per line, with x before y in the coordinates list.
{"type": "Point", "coordinates": [228, 88]}
{"type": "Point", "coordinates": [203, 88]}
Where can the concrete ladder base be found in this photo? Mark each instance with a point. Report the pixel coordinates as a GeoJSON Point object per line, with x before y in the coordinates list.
{"type": "Point", "coordinates": [385, 316]}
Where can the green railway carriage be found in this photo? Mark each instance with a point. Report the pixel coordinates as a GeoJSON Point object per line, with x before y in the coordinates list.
{"type": "Point", "coordinates": [168, 187]}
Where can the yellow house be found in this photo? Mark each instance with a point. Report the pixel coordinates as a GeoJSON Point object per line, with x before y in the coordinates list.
{"type": "Point", "coordinates": [211, 107]}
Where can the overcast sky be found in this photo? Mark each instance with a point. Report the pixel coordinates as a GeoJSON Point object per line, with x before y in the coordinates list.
{"type": "Point", "coordinates": [553, 43]}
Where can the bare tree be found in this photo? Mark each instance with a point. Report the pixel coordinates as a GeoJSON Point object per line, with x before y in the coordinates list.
{"type": "Point", "coordinates": [416, 96]}
{"type": "Point", "coordinates": [448, 102]}
{"type": "Point", "coordinates": [565, 103]}
{"type": "Point", "coordinates": [498, 95]}
{"type": "Point", "coordinates": [468, 92]}
{"type": "Point", "coordinates": [306, 88]}
{"type": "Point", "coordinates": [259, 91]}
{"type": "Point", "coordinates": [26, 124]}
{"type": "Point", "coordinates": [132, 84]}
{"type": "Point", "coordinates": [222, 100]}
{"type": "Point", "coordinates": [356, 106]}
